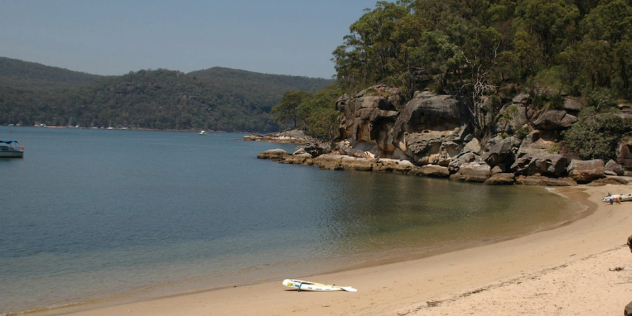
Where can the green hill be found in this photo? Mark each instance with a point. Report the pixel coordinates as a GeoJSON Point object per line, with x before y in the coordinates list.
{"type": "Point", "coordinates": [217, 99]}
{"type": "Point", "coordinates": [17, 73]}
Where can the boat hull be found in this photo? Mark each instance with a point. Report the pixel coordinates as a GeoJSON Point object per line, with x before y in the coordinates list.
{"type": "Point", "coordinates": [11, 154]}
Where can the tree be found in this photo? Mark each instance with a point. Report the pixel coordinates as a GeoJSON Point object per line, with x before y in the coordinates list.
{"type": "Point", "coordinates": [288, 110]}
{"type": "Point", "coordinates": [595, 135]}
{"type": "Point", "coordinates": [322, 116]}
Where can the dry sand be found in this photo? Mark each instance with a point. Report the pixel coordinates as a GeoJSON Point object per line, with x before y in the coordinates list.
{"type": "Point", "coordinates": [574, 269]}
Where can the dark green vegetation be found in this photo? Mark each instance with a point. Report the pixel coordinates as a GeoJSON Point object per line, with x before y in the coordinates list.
{"type": "Point", "coordinates": [217, 99]}
{"type": "Point", "coordinates": [496, 48]}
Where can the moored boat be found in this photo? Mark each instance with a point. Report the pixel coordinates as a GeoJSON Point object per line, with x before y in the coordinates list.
{"type": "Point", "coordinates": [11, 149]}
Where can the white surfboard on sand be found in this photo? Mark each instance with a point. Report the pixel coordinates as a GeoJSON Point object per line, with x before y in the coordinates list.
{"type": "Point", "coordinates": [301, 285]}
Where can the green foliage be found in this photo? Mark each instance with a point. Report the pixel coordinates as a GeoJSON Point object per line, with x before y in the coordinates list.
{"type": "Point", "coordinates": [595, 135]}
{"type": "Point", "coordinates": [522, 132]}
{"type": "Point", "coordinates": [316, 113]}
{"type": "Point", "coordinates": [553, 149]}
{"type": "Point", "coordinates": [288, 110]}
{"type": "Point", "coordinates": [601, 98]}
{"type": "Point", "coordinates": [217, 99]}
{"type": "Point", "coordinates": [473, 47]}
{"type": "Point", "coordinates": [510, 113]}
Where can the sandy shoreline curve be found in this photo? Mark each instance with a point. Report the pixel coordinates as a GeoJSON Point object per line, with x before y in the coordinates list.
{"type": "Point", "coordinates": [581, 268]}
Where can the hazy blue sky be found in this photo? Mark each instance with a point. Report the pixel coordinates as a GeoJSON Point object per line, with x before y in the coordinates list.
{"type": "Point", "coordinates": [114, 37]}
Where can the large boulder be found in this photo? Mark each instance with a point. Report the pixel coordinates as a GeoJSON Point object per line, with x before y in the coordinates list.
{"type": "Point", "coordinates": [501, 150]}
{"type": "Point", "coordinates": [584, 171]}
{"type": "Point", "coordinates": [512, 116]}
{"type": "Point", "coordinates": [431, 128]}
{"type": "Point", "coordinates": [392, 165]}
{"type": "Point", "coordinates": [329, 161]}
{"type": "Point", "coordinates": [472, 172]}
{"type": "Point", "coordinates": [501, 179]}
{"type": "Point", "coordinates": [299, 159]}
{"type": "Point", "coordinates": [540, 163]}
{"type": "Point", "coordinates": [358, 164]}
{"type": "Point", "coordinates": [624, 154]}
{"type": "Point", "coordinates": [434, 147]}
{"type": "Point", "coordinates": [273, 154]}
{"type": "Point", "coordinates": [369, 116]}
{"type": "Point", "coordinates": [473, 146]}
{"type": "Point", "coordinates": [611, 165]}
{"type": "Point", "coordinates": [429, 111]}
{"type": "Point", "coordinates": [554, 120]}
{"type": "Point", "coordinates": [434, 171]}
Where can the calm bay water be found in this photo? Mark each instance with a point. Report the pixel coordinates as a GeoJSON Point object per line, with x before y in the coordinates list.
{"type": "Point", "coordinates": [92, 215]}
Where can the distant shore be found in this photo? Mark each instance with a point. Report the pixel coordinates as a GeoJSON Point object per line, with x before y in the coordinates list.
{"type": "Point", "coordinates": [579, 268]}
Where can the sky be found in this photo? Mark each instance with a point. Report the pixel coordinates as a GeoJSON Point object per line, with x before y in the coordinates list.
{"type": "Point", "coordinates": [114, 37]}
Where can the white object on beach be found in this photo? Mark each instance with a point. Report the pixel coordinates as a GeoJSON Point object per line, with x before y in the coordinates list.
{"type": "Point", "coordinates": [624, 197]}
{"type": "Point", "coordinates": [301, 285]}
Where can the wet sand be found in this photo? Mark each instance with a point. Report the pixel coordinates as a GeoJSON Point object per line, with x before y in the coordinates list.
{"type": "Point", "coordinates": [580, 268]}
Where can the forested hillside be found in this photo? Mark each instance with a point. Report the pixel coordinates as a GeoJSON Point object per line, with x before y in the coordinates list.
{"type": "Point", "coordinates": [217, 99]}
{"type": "Point", "coordinates": [476, 47]}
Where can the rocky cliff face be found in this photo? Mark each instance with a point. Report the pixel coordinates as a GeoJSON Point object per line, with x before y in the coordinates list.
{"type": "Point", "coordinates": [433, 135]}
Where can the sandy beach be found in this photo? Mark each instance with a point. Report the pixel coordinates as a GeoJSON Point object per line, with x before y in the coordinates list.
{"type": "Point", "coordinates": [579, 268]}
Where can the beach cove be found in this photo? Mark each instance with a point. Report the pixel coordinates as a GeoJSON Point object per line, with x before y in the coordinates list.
{"type": "Point", "coordinates": [562, 271]}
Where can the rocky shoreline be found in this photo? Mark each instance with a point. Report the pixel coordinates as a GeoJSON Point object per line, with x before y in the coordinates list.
{"type": "Point", "coordinates": [434, 135]}
{"type": "Point", "coordinates": [593, 172]}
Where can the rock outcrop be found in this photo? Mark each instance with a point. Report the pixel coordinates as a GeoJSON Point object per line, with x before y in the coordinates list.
{"type": "Point", "coordinates": [584, 171]}
{"type": "Point", "coordinates": [433, 135]}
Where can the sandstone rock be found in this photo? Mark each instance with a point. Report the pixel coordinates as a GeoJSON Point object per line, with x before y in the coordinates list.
{"type": "Point", "coordinates": [499, 168]}
{"type": "Point", "coordinates": [296, 136]}
{"type": "Point", "coordinates": [299, 159]}
{"type": "Point", "coordinates": [517, 118]}
{"type": "Point", "coordinates": [522, 98]}
{"type": "Point", "coordinates": [392, 165]}
{"type": "Point", "coordinates": [572, 104]}
{"type": "Point", "coordinates": [501, 178]}
{"type": "Point", "coordinates": [473, 146]}
{"type": "Point", "coordinates": [611, 165]}
{"type": "Point", "coordinates": [584, 171]}
{"type": "Point", "coordinates": [358, 164]}
{"type": "Point", "coordinates": [472, 172]}
{"type": "Point", "coordinates": [624, 154]}
{"type": "Point", "coordinates": [434, 147]}
{"type": "Point", "coordinates": [608, 180]}
{"type": "Point", "coordinates": [545, 181]}
{"type": "Point", "coordinates": [501, 151]}
{"type": "Point", "coordinates": [462, 159]}
{"type": "Point", "coordinates": [369, 116]}
{"type": "Point", "coordinates": [540, 163]}
{"type": "Point", "coordinates": [434, 171]}
{"type": "Point", "coordinates": [273, 154]}
{"type": "Point", "coordinates": [252, 138]}
{"type": "Point", "coordinates": [554, 120]}
{"type": "Point", "coordinates": [316, 149]}
{"type": "Point", "coordinates": [329, 161]}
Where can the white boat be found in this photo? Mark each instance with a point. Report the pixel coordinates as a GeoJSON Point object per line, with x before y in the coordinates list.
{"type": "Point", "coordinates": [624, 197]}
{"type": "Point", "coordinates": [11, 149]}
{"type": "Point", "coordinates": [301, 285]}
{"type": "Point", "coordinates": [202, 133]}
